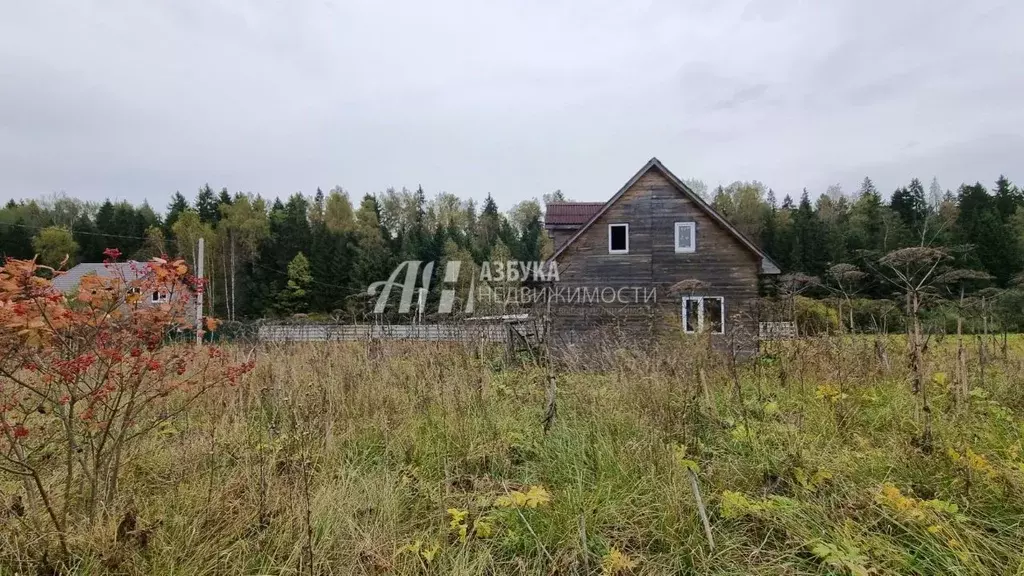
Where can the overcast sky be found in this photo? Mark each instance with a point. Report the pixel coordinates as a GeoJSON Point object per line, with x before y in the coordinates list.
{"type": "Point", "coordinates": [134, 100]}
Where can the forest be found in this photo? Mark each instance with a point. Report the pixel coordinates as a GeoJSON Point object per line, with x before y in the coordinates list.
{"type": "Point", "coordinates": [317, 254]}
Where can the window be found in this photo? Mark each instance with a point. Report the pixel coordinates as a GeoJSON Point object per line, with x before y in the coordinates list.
{"type": "Point", "coordinates": [704, 313]}
{"type": "Point", "coordinates": [686, 237]}
{"type": "Point", "coordinates": [713, 315]}
{"type": "Point", "coordinates": [618, 238]}
{"type": "Point", "coordinates": [691, 315]}
{"type": "Point", "coordinates": [158, 297]}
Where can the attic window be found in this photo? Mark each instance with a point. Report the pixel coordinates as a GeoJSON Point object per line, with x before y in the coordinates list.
{"type": "Point", "coordinates": [686, 237]}
{"type": "Point", "coordinates": [618, 238]}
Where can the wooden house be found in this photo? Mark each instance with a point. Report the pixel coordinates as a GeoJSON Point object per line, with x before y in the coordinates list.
{"type": "Point", "coordinates": [654, 257]}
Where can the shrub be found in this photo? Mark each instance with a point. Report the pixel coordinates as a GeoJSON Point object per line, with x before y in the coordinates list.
{"type": "Point", "coordinates": [84, 375]}
{"type": "Point", "coordinates": [815, 316]}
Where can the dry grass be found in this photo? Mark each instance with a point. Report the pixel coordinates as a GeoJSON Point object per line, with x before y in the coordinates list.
{"type": "Point", "coordinates": [338, 459]}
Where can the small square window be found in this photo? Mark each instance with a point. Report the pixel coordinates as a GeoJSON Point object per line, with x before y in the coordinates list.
{"type": "Point", "coordinates": [686, 236]}
{"type": "Point", "coordinates": [158, 297]}
{"type": "Point", "coordinates": [618, 238]}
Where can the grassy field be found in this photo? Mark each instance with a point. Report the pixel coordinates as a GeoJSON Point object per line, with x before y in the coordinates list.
{"type": "Point", "coordinates": [429, 459]}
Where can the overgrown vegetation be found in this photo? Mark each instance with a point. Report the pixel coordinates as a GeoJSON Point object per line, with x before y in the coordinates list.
{"type": "Point", "coordinates": [433, 459]}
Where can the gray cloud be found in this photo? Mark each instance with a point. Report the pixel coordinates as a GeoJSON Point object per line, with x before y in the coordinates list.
{"type": "Point", "coordinates": [135, 100]}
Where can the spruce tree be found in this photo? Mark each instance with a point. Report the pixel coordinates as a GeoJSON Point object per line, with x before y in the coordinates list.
{"type": "Point", "coordinates": [979, 223]}
{"type": "Point", "coordinates": [178, 205]}
{"type": "Point", "coordinates": [294, 298]}
{"type": "Point", "coordinates": [206, 205]}
{"type": "Point", "coordinates": [90, 244]}
{"type": "Point", "coordinates": [487, 229]}
{"type": "Point", "coordinates": [909, 203]}
{"type": "Point", "coordinates": [17, 240]}
{"type": "Point", "coordinates": [1008, 198]}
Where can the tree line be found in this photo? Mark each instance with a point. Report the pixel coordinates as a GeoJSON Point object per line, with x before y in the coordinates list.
{"type": "Point", "coordinates": [304, 254]}
{"type": "Point", "coordinates": [809, 237]}
{"type": "Point", "coordinates": [318, 254]}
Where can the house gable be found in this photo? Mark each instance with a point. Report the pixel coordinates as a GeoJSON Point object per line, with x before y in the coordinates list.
{"type": "Point", "coordinates": [651, 178]}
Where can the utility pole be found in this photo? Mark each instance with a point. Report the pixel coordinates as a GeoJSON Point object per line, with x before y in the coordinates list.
{"type": "Point", "coordinates": [199, 295]}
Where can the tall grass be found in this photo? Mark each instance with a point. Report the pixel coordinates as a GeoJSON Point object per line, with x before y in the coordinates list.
{"type": "Point", "coordinates": [346, 458]}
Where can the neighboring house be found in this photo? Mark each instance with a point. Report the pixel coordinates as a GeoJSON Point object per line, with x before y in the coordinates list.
{"type": "Point", "coordinates": [131, 270]}
{"type": "Point", "coordinates": [661, 257]}
{"type": "Point", "coordinates": [563, 219]}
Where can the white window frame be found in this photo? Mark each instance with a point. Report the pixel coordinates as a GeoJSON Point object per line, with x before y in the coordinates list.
{"type": "Point", "coordinates": [157, 297]}
{"type": "Point", "coordinates": [616, 224]}
{"type": "Point", "coordinates": [700, 313]}
{"type": "Point", "coordinates": [693, 237]}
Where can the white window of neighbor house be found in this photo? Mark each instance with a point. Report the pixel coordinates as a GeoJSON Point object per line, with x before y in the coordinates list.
{"type": "Point", "coordinates": [702, 313]}
{"type": "Point", "coordinates": [158, 297]}
{"type": "Point", "coordinates": [686, 237]}
{"type": "Point", "coordinates": [618, 238]}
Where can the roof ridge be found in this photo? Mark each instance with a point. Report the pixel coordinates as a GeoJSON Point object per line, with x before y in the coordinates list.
{"type": "Point", "coordinates": [767, 264]}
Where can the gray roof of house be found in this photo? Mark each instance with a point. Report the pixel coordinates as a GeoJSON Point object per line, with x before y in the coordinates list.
{"type": "Point", "coordinates": [69, 280]}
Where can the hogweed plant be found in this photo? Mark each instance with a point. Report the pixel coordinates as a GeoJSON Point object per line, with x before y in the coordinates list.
{"type": "Point", "coordinates": [84, 375]}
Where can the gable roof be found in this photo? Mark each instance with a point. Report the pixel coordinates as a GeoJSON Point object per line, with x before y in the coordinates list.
{"type": "Point", "coordinates": [767, 265]}
{"type": "Point", "coordinates": [70, 279]}
{"type": "Point", "coordinates": [570, 213]}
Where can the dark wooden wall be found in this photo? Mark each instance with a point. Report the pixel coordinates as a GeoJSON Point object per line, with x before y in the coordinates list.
{"type": "Point", "coordinates": [651, 207]}
{"type": "Point", "coordinates": [561, 234]}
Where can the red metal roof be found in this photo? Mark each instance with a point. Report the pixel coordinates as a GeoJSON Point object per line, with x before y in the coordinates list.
{"type": "Point", "coordinates": [571, 213]}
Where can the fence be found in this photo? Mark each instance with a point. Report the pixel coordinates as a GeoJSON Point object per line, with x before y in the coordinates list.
{"type": "Point", "coordinates": [351, 332]}
{"type": "Point", "coordinates": [776, 330]}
